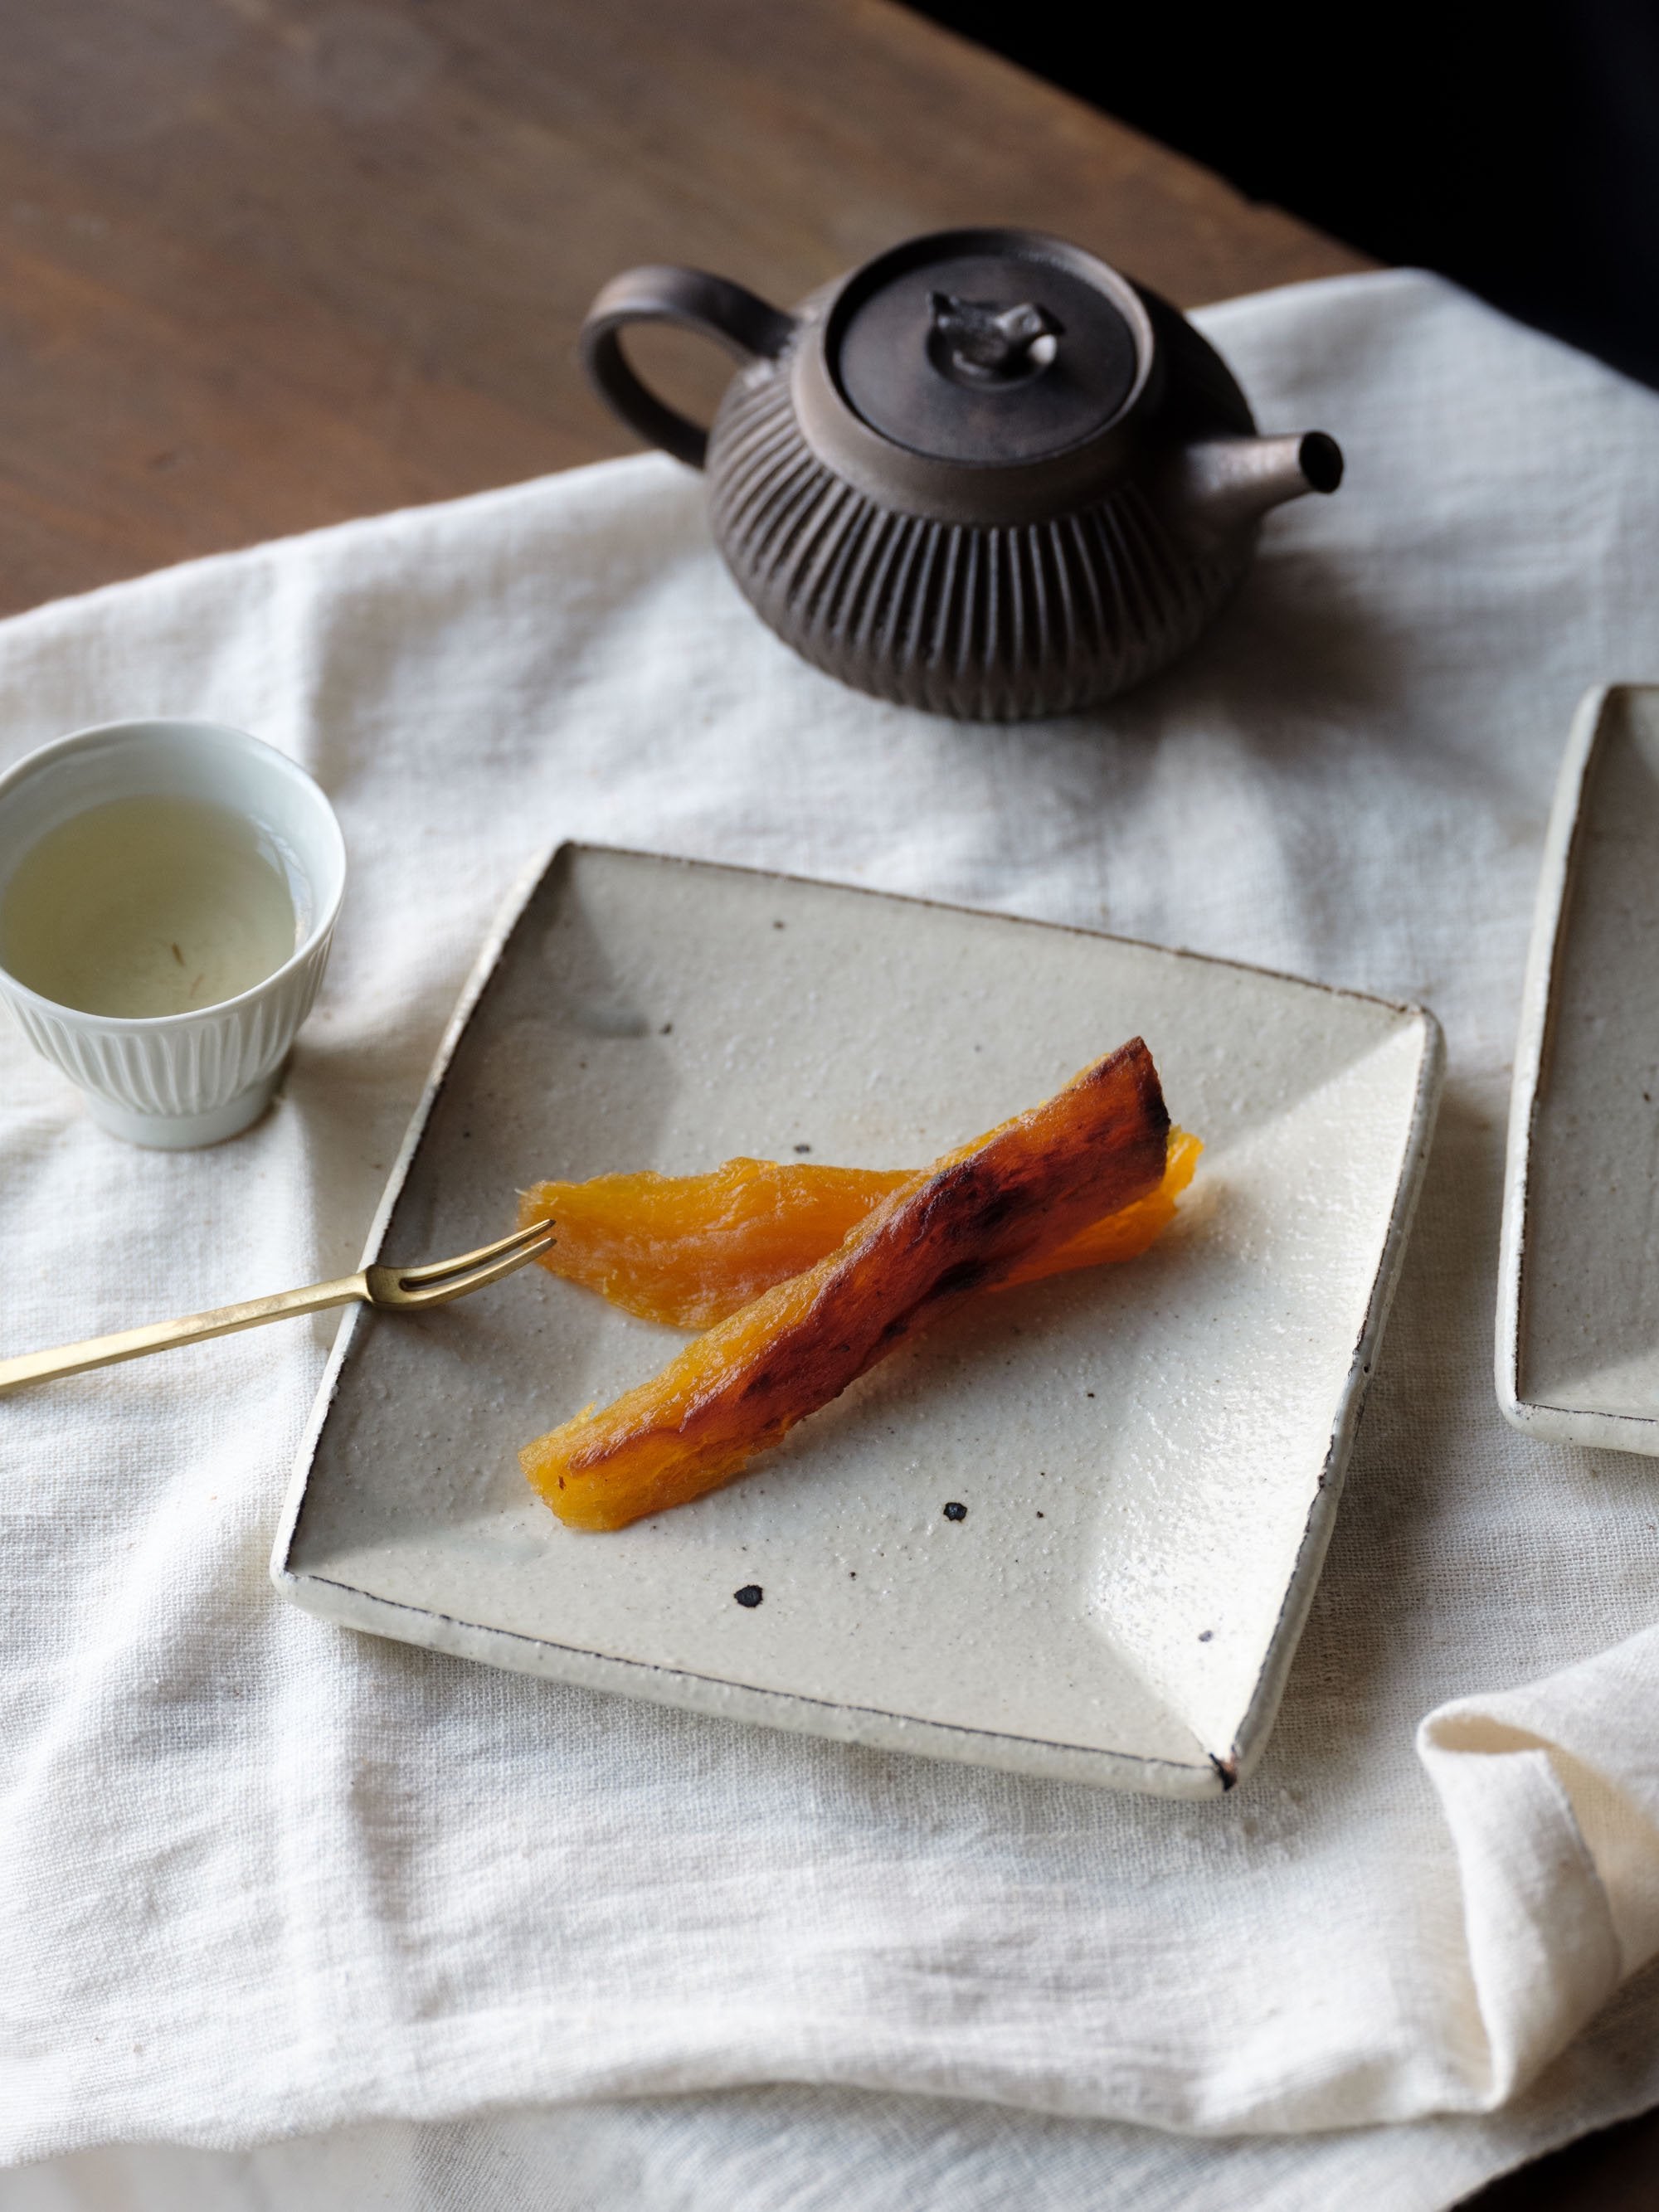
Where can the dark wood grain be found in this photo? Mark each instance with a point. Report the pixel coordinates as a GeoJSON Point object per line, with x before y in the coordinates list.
{"type": "Point", "coordinates": [1616, 2170]}
{"type": "Point", "coordinates": [266, 263]}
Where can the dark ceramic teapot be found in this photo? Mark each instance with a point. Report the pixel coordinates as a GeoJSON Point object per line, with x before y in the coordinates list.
{"type": "Point", "coordinates": [984, 475]}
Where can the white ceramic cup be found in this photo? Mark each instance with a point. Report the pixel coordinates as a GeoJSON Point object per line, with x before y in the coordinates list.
{"type": "Point", "coordinates": [178, 1080]}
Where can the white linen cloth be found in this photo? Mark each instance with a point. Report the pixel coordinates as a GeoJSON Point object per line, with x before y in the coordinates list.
{"type": "Point", "coordinates": [263, 1878]}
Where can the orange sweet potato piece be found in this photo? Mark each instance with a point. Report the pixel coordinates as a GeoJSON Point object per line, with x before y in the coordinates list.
{"type": "Point", "coordinates": [690, 1249]}
{"type": "Point", "coordinates": [973, 1219]}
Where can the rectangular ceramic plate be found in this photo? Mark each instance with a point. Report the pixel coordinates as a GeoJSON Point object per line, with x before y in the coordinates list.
{"type": "Point", "coordinates": [1578, 1283]}
{"type": "Point", "coordinates": [1149, 1454]}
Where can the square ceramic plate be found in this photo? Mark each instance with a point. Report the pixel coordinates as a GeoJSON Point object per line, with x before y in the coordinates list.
{"type": "Point", "coordinates": [1149, 1454]}
{"type": "Point", "coordinates": [1578, 1279]}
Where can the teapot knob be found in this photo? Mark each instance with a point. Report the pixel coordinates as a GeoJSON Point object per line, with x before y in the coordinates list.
{"type": "Point", "coordinates": [976, 341]}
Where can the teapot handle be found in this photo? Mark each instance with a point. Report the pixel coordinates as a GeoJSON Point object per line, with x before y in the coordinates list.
{"type": "Point", "coordinates": [711, 306]}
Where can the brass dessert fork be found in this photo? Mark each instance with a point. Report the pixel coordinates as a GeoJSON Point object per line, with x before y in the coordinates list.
{"type": "Point", "coordinates": [396, 1289]}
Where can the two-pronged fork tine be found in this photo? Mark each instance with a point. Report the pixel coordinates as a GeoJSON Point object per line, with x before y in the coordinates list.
{"type": "Point", "coordinates": [396, 1289]}
{"type": "Point", "coordinates": [434, 1284]}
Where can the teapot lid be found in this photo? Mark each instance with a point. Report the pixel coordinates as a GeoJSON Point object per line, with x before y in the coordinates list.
{"type": "Point", "coordinates": [987, 346]}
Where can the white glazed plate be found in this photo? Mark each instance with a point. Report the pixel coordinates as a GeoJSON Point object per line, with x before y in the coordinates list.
{"type": "Point", "coordinates": [1578, 1277]}
{"type": "Point", "coordinates": [1149, 1454]}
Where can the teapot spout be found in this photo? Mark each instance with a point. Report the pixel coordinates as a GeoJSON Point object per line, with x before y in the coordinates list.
{"type": "Point", "coordinates": [1223, 485]}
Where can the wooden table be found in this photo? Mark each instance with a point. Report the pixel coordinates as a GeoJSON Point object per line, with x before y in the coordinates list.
{"type": "Point", "coordinates": [266, 264]}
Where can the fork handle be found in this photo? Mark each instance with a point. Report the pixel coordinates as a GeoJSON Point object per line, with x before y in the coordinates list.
{"type": "Point", "coordinates": [192, 1329]}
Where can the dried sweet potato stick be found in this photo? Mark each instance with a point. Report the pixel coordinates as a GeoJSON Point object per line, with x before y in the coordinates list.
{"type": "Point", "coordinates": [690, 1250]}
{"type": "Point", "coordinates": [972, 1219]}
{"type": "Point", "coordinates": [1126, 1234]}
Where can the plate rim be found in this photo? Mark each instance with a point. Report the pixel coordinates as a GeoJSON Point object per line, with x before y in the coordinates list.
{"type": "Point", "coordinates": [874, 1726]}
{"type": "Point", "coordinates": [1558, 873]}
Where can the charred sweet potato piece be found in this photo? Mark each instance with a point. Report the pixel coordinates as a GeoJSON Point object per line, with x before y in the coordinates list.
{"type": "Point", "coordinates": [690, 1249]}
{"type": "Point", "coordinates": [973, 1219]}
{"type": "Point", "coordinates": [1128, 1232]}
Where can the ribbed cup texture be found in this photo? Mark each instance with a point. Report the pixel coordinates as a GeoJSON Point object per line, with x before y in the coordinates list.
{"type": "Point", "coordinates": [177, 1069]}
{"type": "Point", "coordinates": [984, 624]}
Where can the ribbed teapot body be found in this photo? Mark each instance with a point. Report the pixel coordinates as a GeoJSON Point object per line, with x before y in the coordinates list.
{"type": "Point", "coordinates": [986, 624]}
{"type": "Point", "coordinates": [985, 474]}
